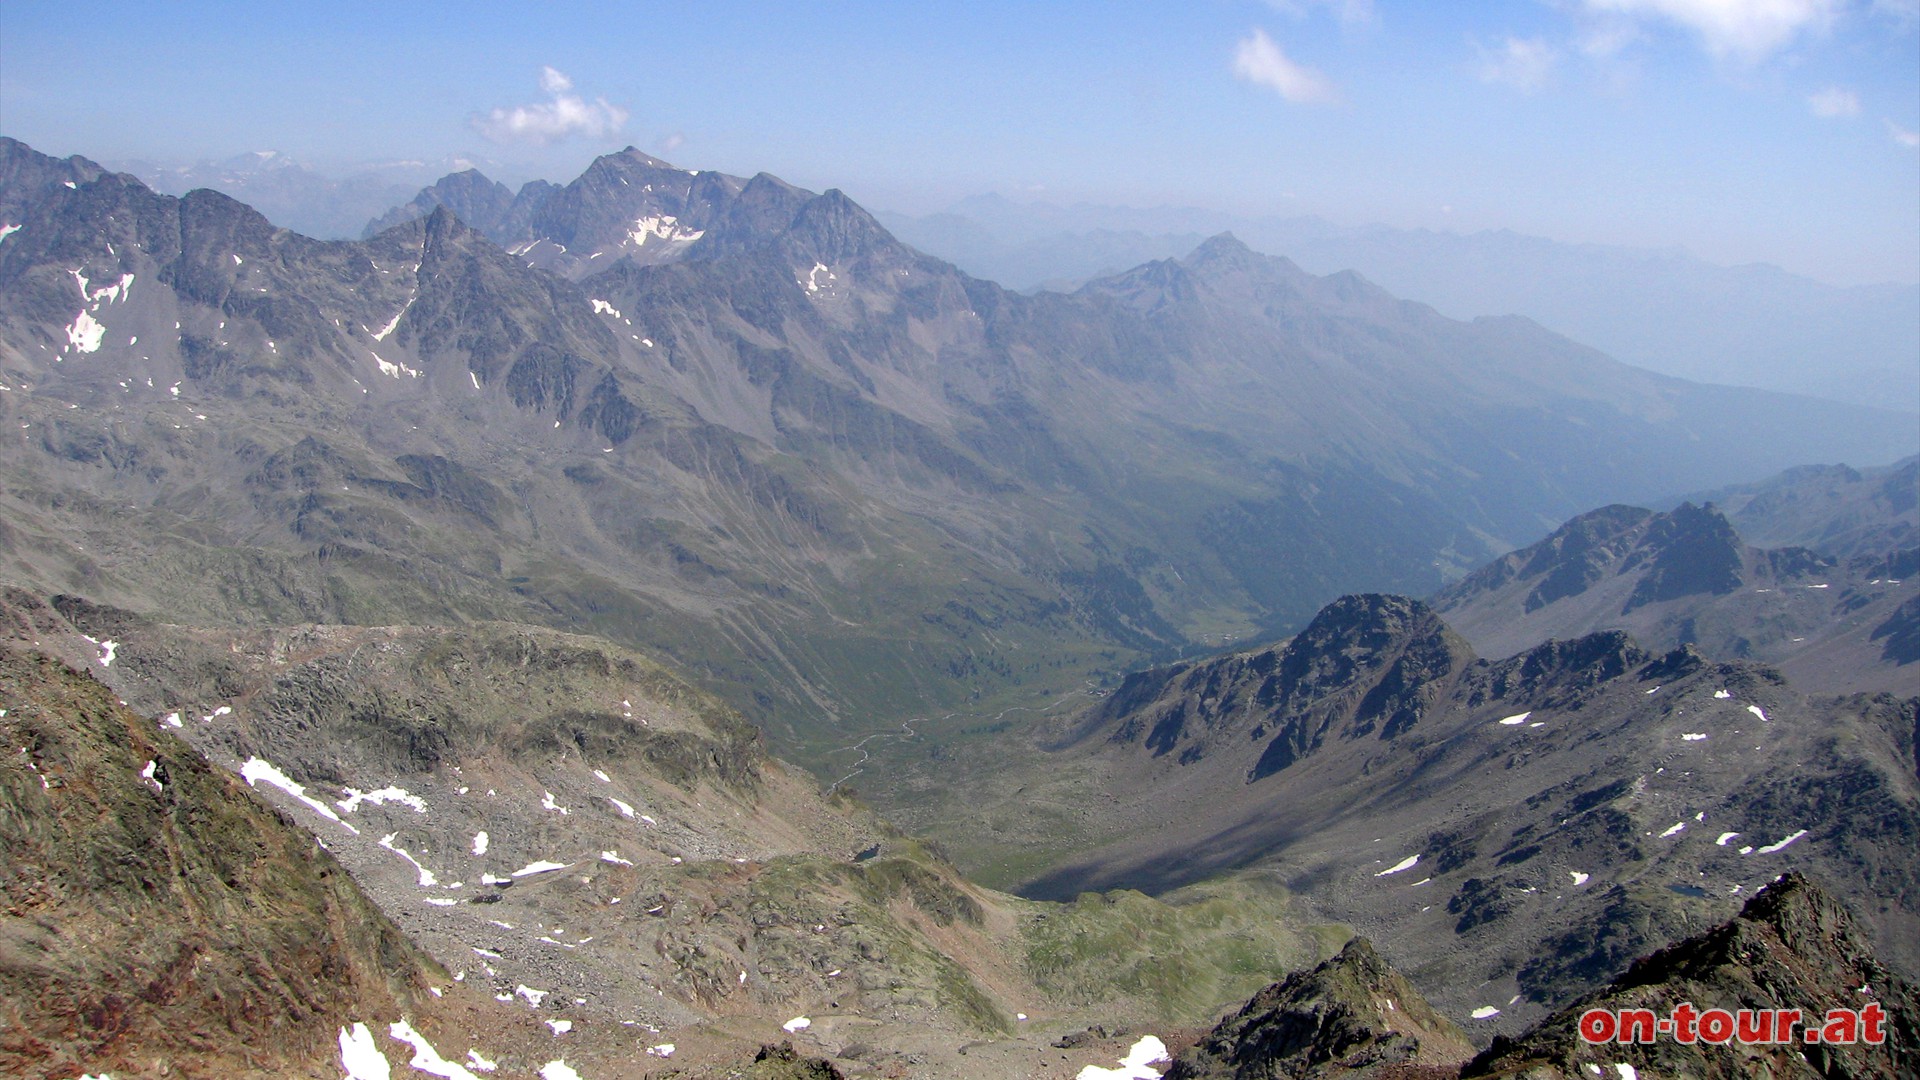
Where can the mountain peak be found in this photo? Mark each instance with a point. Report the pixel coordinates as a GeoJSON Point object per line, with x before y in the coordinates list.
{"type": "Point", "coordinates": [640, 157]}
{"type": "Point", "coordinates": [833, 228]}
{"type": "Point", "coordinates": [1353, 1009]}
{"type": "Point", "coordinates": [25, 173]}
{"type": "Point", "coordinates": [1222, 247]}
{"type": "Point", "coordinates": [442, 224]}
{"type": "Point", "coordinates": [1223, 258]}
{"type": "Point", "coordinates": [1695, 551]}
{"type": "Point", "coordinates": [1366, 616]}
{"type": "Point", "coordinates": [1385, 655]}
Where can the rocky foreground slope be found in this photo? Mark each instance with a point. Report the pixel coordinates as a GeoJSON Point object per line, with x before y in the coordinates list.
{"type": "Point", "coordinates": [1792, 947]}
{"type": "Point", "coordinates": [577, 837]}
{"type": "Point", "coordinates": [158, 920]}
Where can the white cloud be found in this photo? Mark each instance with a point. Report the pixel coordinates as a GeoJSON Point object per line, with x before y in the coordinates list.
{"type": "Point", "coordinates": [1749, 30]}
{"type": "Point", "coordinates": [1524, 65]}
{"type": "Point", "coordinates": [1259, 61]}
{"type": "Point", "coordinates": [1903, 136]}
{"type": "Point", "coordinates": [1833, 101]}
{"type": "Point", "coordinates": [563, 114]}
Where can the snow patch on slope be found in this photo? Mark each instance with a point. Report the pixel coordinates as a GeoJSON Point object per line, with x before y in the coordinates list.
{"type": "Point", "coordinates": [360, 1057]}
{"type": "Point", "coordinates": [86, 333]}
{"type": "Point", "coordinates": [1407, 863]}
{"type": "Point", "coordinates": [425, 1058]}
{"type": "Point", "coordinates": [393, 370]}
{"type": "Point", "coordinates": [1135, 1065]}
{"type": "Point", "coordinates": [662, 227]}
{"type": "Point", "coordinates": [379, 798]}
{"type": "Point", "coordinates": [427, 878]}
{"type": "Point", "coordinates": [256, 770]}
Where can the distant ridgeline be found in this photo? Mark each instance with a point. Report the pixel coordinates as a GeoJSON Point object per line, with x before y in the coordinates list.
{"type": "Point", "coordinates": [740, 424]}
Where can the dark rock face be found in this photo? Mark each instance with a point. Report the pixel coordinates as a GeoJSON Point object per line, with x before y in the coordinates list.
{"type": "Point", "coordinates": [1833, 623]}
{"type": "Point", "coordinates": [1366, 667]}
{"type": "Point", "coordinates": [1792, 947]}
{"type": "Point", "coordinates": [1695, 551]}
{"type": "Point", "coordinates": [1900, 634]}
{"type": "Point", "coordinates": [27, 175]}
{"type": "Point", "coordinates": [1352, 1016]}
{"type": "Point", "coordinates": [155, 911]}
{"type": "Point", "coordinates": [1575, 556]}
{"type": "Point", "coordinates": [1365, 664]}
{"type": "Point", "coordinates": [779, 1061]}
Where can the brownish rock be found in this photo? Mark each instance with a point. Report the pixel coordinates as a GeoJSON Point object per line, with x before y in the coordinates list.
{"type": "Point", "coordinates": [1352, 1016]}
{"type": "Point", "coordinates": [156, 919]}
{"type": "Point", "coordinates": [1792, 947]}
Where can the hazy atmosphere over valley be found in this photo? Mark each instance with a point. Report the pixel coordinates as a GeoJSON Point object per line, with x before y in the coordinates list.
{"type": "Point", "coordinates": [1306, 538]}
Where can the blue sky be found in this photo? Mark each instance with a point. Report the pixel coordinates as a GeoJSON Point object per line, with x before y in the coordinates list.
{"type": "Point", "coordinates": [1779, 131]}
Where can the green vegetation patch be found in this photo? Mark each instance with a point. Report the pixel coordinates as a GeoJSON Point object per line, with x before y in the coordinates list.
{"type": "Point", "coordinates": [1181, 958]}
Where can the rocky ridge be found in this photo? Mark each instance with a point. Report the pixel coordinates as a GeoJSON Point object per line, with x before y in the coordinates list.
{"type": "Point", "coordinates": [1831, 624]}
{"type": "Point", "coordinates": [1793, 946]}
{"type": "Point", "coordinates": [1352, 1016]}
{"type": "Point", "coordinates": [1514, 831]}
{"type": "Point", "coordinates": [722, 446]}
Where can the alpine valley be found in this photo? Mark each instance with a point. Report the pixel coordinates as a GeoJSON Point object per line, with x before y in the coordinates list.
{"type": "Point", "coordinates": [663, 625]}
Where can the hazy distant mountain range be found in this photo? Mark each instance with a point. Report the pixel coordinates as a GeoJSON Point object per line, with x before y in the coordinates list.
{"type": "Point", "coordinates": [1686, 578]}
{"type": "Point", "coordinates": [1665, 310]}
{"type": "Point", "coordinates": [764, 414]}
{"type": "Point", "coordinates": [291, 193]}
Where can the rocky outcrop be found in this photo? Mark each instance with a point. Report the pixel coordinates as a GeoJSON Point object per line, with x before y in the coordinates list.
{"type": "Point", "coordinates": [779, 1061]}
{"type": "Point", "coordinates": [1794, 946]}
{"type": "Point", "coordinates": [1367, 666]}
{"type": "Point", "coordinates": [1352, 1016]}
